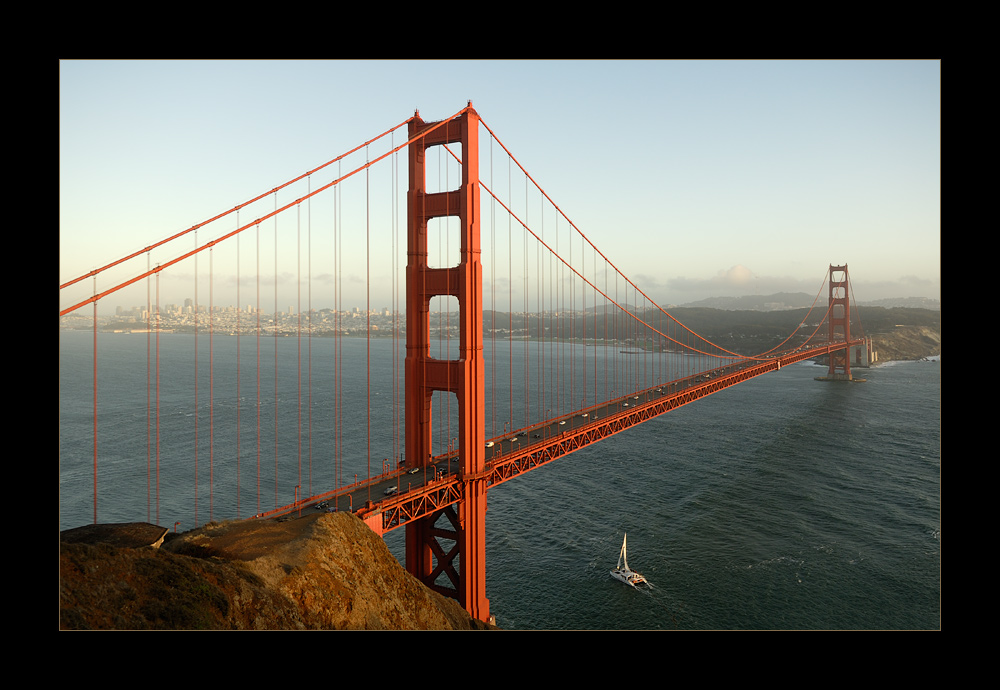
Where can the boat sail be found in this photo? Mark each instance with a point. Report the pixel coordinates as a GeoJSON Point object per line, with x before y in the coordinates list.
{"type": "Point", "coordinates": [626, 574]}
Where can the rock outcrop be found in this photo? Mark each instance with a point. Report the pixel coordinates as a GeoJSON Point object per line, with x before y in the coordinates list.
{"type": "Point", "coordinates": [907, 343]}
{"type": "Point", "coordinates": [320, 571]}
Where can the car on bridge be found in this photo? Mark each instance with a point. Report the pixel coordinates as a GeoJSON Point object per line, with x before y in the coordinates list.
{"type": "Point", "coordinates": [391, 490]}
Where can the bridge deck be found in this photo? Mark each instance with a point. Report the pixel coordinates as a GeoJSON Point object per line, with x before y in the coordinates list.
{"type": "Point", "coordinates": [392, 499]}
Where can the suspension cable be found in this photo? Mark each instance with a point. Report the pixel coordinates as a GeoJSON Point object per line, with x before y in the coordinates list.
{"type": "Point", "coordinates": [234, 209]}
{"type": "Point", "coordinates": [225, 237]}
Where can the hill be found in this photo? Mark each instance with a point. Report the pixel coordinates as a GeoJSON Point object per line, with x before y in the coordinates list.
{"type": "Point", "coordinates": [898, 333]}
{"type": "Point", "coordinates": [323, 571]}
{"type": "Point", "coordinates": [907, 343]}
{"type": "Point", "coordinates": [796, 300]}
{"type": "Point", "coordinates": [775, 302]}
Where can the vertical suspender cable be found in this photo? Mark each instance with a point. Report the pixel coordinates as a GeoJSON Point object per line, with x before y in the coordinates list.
{"type": "Point", "coordinates": [95, 402]}
{"type": "Point", "coordinates": [572, 327]}
{"type": "Point", "coordinates": [540, 306]}
{"type": "Point", "coordinates": [527, 320]}
{"type": "Point", "coordinates": [583, 320]}
{"type": "Point", "coordinates": [309, 327]}
{"type": "Point", "coordinates": [447, 263]}
{"type": "Point", "coordinates": [298, 335]}
{"type": "Point", "coordinates": [656, 347]}
{"type": "Point", "coordinates": [196, 410]}
{"type": "Point", "coordinates": [275, 334]}
{"type": "Point", "coordinates": [425, 259]}
{"type": "Point", "coordinates": [393, 243]}
{"type": "Point", "coordinates": [493, 303]}
{"type": "Point", "coordinates": [398, 355]}
{"type": "Point", "coordinates": [337, 339]}
{"type": "Point", "coordinates": [510, 301]}
{"type": "Point", "coordinates": [211, 385]}
{"type": "Point", "coordinates": [157, 397]}
{"type": "Point", "coordinates": [616, 313]}
{"type": "Point", "coordinates": [605, 339]}
{"type": "Point", "coordinates": [645, 336]}
{"type": "Point", "coordinates": [257, 310]}
{"type": "Point", "coordinates": [526, 287]}
{"type": "Point", "coordinates": [238, 328]}
{"type": "Point", "coordinates": [557, 309]}
{"type": "Point", "coordinates": [149, 389]}
{"type": "Point", "coordinates": [368, 318]}
{"type": "Point", "coordinates": [553, 378]}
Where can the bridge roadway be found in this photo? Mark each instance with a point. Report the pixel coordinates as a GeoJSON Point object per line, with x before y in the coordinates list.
{"type": "Point", "coordinates": [392, 499]}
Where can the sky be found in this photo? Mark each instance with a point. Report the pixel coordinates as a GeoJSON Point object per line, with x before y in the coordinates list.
{"type": "Point", "coordinates": [694, 178]}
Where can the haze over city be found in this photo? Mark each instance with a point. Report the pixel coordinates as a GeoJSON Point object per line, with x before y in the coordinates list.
{"type": "Point", "coordinates": [695, 178]}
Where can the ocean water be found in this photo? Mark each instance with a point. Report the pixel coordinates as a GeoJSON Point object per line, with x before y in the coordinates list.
{"type": "Point", "coordinates": [781, 503]}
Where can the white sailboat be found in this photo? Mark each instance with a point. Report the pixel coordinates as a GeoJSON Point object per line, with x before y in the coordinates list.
{"type": "Point", "coordinates": [626, 574]}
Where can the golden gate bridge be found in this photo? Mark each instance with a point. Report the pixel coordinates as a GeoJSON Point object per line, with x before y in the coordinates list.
{"type": "Point", "coordinates": [512, 341]}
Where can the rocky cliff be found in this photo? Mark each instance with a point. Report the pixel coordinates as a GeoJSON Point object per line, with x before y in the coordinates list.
{"type": "Point", "coordinates": [907, 343]}
{"type": "Point", "coordinates": [321, 571]}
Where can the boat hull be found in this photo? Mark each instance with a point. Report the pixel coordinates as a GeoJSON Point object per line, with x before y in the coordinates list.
{"type": "Point", "coordinates": [628, 577]}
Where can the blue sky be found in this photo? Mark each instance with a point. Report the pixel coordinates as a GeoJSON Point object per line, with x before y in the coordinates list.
{"type": "Point", "coordinates": [696, 178]}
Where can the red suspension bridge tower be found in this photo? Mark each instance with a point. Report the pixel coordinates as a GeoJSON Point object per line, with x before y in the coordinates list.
{"type": "Point", "coordinates": [464, 561]}
{"type": "Point", "coordinates": [840, 324]}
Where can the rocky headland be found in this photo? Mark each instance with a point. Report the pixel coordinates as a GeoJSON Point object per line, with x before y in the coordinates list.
{"type": "Point", "coordinates": [907, 343]}
{"type": "Point", "coordinates": [323, 571]}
